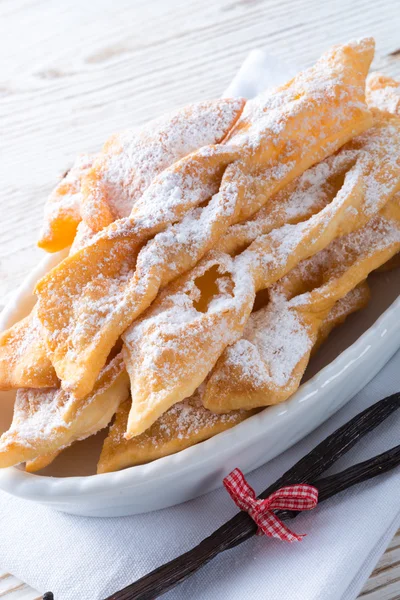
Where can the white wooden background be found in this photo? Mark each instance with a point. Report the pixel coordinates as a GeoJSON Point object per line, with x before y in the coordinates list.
{"type": "Point", "coordinates": [72, 72]}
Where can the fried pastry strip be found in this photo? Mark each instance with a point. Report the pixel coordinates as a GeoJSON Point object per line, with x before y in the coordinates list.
{"type": "Point", "coordinates": [41, 462]}
{"type": "Point", "coordinates": [24, 356]}
{"type": "Point", "coordinates": [182, 426]}
{"type": "Point", "coordinates": [265, 366]}
{"type": "Point", "coordinates": [393, 263]}
{"type": "Point", "coordinates": [384, 93]}
{"type": "Point", "coordinates": [130, 160]}
{"type": "Point", "coordinates": [104, 188]}
{"type": "Point", "coordinates": [355, 300]}
{"type": "Point", "coordinates": [171, 349]}
{"type": "Point", "coordinates": [62, 212]}
{"type": "Point", "coordinates": [46, 421]}
{"type": "Point", "coordinates": [189, 422]}
{"type": "Point", "coordinates": [88, 300]}
{"type": "Point", "coordinates": [24, 360]}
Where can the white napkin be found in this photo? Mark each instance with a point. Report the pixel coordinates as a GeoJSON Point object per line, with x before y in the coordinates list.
{"type": "Point", "coordinates": [78, 557]}
{"type": "Point", "coordinates": [258, 72]}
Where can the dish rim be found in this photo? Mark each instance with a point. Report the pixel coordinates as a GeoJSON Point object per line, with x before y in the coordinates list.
{"type": "Point", "coordinates": [47, 488]}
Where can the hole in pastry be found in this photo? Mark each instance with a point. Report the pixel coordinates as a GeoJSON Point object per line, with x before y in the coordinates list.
{"type": "Point", "coordinates": [311, 274]}
{"type": "Point", "coordinates": [261, 300]}
{"type": "Point", "coordinates": [335, 181]}
{"type": "Point", "coordinates": [211, 285]}
{"type": "Point", "coordinates": [115, 350]}
{"type": "Point", "coordinates": [302, 280]}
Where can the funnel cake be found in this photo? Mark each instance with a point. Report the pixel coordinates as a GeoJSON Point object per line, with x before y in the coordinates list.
{"type": "Point", "coordinates": [267, 364]}
{"type": "Point", "coordinates": [46, 421]}
{"type": "Point", "coordinates": [88, 300]}
{"type": "Point", "coordinates": [130, 160]}
{"type": "Point", "coordinates": [62, 212]}
{"type": "Point", "coordinates": [174, 332]}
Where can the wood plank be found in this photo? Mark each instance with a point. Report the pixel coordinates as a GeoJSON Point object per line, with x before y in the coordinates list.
{"type": "Point", "coordinates": [12, 588]}
{"type": "Point", "coordinates": [384, 582]}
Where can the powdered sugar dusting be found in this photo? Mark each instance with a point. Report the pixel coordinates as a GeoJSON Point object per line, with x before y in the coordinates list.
{"type": "Point", "coordinates": [305, 196]}
{"type": "Point", "coordinates": [378, 235]}
{"type": "Point", "coordinates": [384, 101]}
{"type": "Point", "coordinates": [174, 331]}
{"type": "Point", "coordinates": [384, 93]}
{"type": "Point", "coordinates": [278, 336]}
{"type": "Point", "coordinates": [97, 306]}
{"type": "Point", "coordinates": [323, 85]}
{"type": "Point", "coordinates": [84, 235]}
{"type": "Point", "coordinates": [379, 160]}
{"type": "Point", "coordinates": [36, 416]}
{"type": "Point", "coordinates": [131, 160]}
{"type": "Point", "coordinates": [346, 304]}
{"type": "Point", "coordinates": [274, 341]}
{"type": "Point", "coordinates": [24, 361]}
{"type": "Point", "coordinates": [307, 120]}
{"type": "Point", "coordinates": [48, 420]}
{"type": "Point", "coordinates": [187, 420]}
{"type": "Point", "coordinates": [28, 335]}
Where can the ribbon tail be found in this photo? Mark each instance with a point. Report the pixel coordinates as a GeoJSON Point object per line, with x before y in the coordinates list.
{"type": "Point", "coordinates": [270, 525]}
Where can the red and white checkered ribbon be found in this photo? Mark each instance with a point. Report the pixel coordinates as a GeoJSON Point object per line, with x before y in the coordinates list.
{"type": "Point", "coordinates": [292, 497]}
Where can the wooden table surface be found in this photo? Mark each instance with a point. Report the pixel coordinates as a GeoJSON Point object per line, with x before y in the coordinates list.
{"type": "Point", "coordinates": [73, 72]}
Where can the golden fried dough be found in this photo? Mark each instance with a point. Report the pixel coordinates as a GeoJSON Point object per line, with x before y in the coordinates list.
{"type": "Point", "coordinates": [186, 328]}
{"type": "Point", "coordinates": [213, 251]}
{"type": "Point", "coordinates": [46, 421]}
{"type": "Point", "coordinates": [41, 462]}
{"type": "Point", "coordinates": [87, 301]}
{"type": "Point", "coordinates": [24, 360]}
{"type": "Point", "coordinates": [189, 422]}
{"type": "Point", "coordinates": [384, 93]}
{"type": "Point", "coordinates": [182, 426]}
{"type": "Point", "coordinates": [266, 365]}
{"type": "Point", "coordinates": [63, 208]}
{"type": "Point", "coordinates": [355, 300]}
{"type": "Point", "coordinates": [361, 178]}
{"type": "Point", "coordinates": [130, 160]}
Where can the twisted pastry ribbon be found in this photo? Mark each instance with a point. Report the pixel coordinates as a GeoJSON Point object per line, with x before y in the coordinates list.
{"type": "Point", "coordinates": [297, 497]}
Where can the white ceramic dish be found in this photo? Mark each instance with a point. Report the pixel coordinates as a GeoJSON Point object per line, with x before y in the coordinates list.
{"type": "Point", "coordinates": [350, 358]}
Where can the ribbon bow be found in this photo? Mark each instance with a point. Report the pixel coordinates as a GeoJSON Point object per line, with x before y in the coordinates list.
{"type": "Point", "coordinates": [297, 497]}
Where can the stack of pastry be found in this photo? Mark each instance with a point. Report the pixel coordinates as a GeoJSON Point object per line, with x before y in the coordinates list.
{"type": "Point", "coordinates": [211, 253]}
